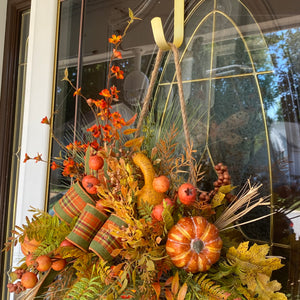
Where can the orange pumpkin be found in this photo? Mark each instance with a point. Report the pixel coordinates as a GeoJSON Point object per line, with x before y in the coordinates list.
{"type": "Point", "coordinates": [29, 246]}
{"type": "Point", "coordinates": [194, 244]}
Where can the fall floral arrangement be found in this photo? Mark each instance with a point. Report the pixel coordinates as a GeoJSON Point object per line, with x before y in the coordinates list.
{"type": "Point", "coordinates": [134, 224]}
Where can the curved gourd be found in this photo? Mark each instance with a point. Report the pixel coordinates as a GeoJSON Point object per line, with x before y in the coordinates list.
{"type": "Point", "coordinates": [147, 193]}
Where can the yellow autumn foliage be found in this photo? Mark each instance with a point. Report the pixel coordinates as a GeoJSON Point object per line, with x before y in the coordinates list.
{"type": "Point", "coordinates": [255, 269]}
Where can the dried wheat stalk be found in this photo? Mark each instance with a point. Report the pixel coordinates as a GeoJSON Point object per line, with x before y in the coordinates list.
{"type": "Point", "coordinates": [245, 202]}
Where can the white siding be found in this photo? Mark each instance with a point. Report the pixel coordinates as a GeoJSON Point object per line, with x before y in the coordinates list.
{"type": "Point", "coordinates": [38, 99]}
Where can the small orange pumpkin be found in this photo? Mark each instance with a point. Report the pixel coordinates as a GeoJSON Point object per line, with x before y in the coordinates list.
{"type": "Point", "coordinates": [194, 244]}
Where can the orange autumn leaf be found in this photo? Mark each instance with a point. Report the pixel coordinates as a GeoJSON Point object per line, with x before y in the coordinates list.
{"type": "Point", "coordinates": [45, 120]}
{"type": "Point", "coordinates": [117, 269]}
{"type": "Point", "coordinates": [169, 281]}
{"type": "Point", "coordinates": [117, 54]}
{"type": "Point", "coordinates": [105, 93]}
{"type": "Point", "coordinates": [77, 92]}
{"type": "Point", "coordinates": [114, 92]}
{"type": "Point", "coordinates": [115, 252]}
{"type": "Point", "coordinates": [124, 191]}
{"type": "Point", "coordinates": [182, 292]}
{"type": "Point", "coordinates": [115, 39]}
{"type": "Point", "coordinates": [137, 142]}
{"type": "Point", "coordinates": [54, 166]}
{"type": "Point", "coordinates": [175, 284]}
{"type": "Point", "coordinates": [117, 72]}
{"type": "Point", "coordinates": [38, 157]}
{"type": "Point", "coordinates": [157, 289]}
{"type": "Point", "coordinates": [27, 157]}
{"type": "Point", "coordinates": [169, 295]}
{"type": "Point", "coordinates": [131, 121]}
{"type": "Point", "coordinates": [129, 131]}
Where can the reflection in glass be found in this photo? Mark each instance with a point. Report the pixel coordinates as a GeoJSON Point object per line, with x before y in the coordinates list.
{"type": "Point", "coordinates": [15, 159]}
{"type": "Point", "coordinates": [100, 21]}
{"type": "Point", "coordinates": [242, 95]}
{"type": "Point", "coordinates": [19, 110]}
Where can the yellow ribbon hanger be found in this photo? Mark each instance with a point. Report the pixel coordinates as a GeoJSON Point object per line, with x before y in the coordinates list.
{"type": "Point", "coordinates": [158, 31]}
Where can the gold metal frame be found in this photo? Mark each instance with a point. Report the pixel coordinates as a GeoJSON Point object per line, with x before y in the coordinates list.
{"type": "Point", "coordinates": [46, 200]}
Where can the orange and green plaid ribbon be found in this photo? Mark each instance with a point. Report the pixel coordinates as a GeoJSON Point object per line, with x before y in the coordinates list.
{"type": "Point", "coordinates": [105, 241]}
{"type": "Point", "coordinates": [86, 227]}
{"type": "Point", "coordinates": [72, 203]}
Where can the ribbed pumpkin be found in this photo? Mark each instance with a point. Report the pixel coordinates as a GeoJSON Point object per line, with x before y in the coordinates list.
{"type": "Point", "coordinates": [194, 244]}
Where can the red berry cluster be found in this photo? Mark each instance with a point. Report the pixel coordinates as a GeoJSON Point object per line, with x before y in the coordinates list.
{"type": "Point", "coordinates": [16, 288]}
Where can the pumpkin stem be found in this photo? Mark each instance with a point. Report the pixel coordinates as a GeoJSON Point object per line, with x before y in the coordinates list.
{"type": "Point", "coordinates": [197, 245]}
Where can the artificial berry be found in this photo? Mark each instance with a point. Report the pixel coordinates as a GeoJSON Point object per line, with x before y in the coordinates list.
{"type": "Point", "coordinates": [223, 176]}
{"type": "Point", "coordinates": [19, 273]}
{"type": "Point", "coordinates": [16, 288]}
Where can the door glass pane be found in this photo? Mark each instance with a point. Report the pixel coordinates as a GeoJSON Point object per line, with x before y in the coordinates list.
{"type": "Point", "coordinates": [241, 86]}
{"type": "Point", "coordinates": [16, 160]}
{"type": "Point", "coordinates": [98, 20]}
{"type": "Point", "coordinates": [22, 67]}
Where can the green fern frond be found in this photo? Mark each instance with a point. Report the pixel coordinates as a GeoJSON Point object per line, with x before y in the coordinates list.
{"type": "Point", "coordinates": [42, 227]}
{"type": "Point", "coordinates": [50, 230]}
{"type": "Point", "coordinates": [224, 269]}
{"type": "Point", "coordinates": [85, 289]}
{"type": "Point", "coordinates": [145, 211]}
{"type": "Point", "coordinates": [210, 289]}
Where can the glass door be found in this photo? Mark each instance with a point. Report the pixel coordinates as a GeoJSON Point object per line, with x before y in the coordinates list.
{"type": "Point", "coordinates": [241, 86]}
{"type": "Point", "coordinates": [240, 67]}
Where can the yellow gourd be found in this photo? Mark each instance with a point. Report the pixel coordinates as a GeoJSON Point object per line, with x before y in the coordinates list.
{"type": "Point", "coordinates": [147, 193]}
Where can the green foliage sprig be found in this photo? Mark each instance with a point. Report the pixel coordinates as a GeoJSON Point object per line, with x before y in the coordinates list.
{"type": "Point", "coordinates": [42, 227]}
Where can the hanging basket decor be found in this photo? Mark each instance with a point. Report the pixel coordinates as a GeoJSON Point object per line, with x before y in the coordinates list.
{"type": "Point", "coordinates": [134, 223]}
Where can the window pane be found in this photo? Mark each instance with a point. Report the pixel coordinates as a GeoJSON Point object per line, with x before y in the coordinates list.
{"type": "Point", "coordinates": [101, 19]}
